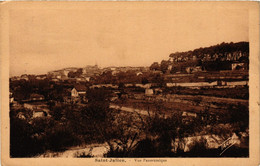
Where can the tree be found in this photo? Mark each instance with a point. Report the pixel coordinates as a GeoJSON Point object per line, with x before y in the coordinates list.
{"type": "Point", "coordinates": [79, 71]}
{"type": "Point", "coordinates": [56, 112]}
{"type": "Point", "coordinates": [71, 74]}
{"type": "Point", "coordinates": [155, 66]}
{"type": "Point", "coordinates": [164, 66]}
{"type": "Point", "coordinates": [144, 80]}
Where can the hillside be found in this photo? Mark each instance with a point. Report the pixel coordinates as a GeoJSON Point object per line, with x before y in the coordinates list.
{"type": "Point", "coordinates": [214, 58]}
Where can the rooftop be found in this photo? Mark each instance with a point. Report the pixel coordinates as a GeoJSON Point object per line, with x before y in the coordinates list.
{"type": "Point", "coordinates": [80, 87]}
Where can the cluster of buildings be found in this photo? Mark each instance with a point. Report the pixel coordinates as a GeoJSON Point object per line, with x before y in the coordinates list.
{"type": "Point", "coordinates": [36, 104]}
{"type": "Point", "coordinates": [82, 74]}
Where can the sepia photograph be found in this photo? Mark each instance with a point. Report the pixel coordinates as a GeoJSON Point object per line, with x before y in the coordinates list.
{"type": "Point", "coordinates": [140, 82]}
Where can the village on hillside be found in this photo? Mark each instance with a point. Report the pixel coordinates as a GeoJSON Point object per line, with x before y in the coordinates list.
{"type": "Point", "coordinates": [194, 104]}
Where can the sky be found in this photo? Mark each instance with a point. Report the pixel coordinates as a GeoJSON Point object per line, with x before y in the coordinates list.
{"type": "Point", "coordinates": [47, 39]}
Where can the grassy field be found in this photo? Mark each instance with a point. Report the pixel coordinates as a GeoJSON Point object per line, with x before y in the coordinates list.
{"type": "Point", "coordinates": [235, 93]}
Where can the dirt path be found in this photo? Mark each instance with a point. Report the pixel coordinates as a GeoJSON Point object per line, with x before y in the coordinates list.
{"type": "Point", "coordinates": [129, 109]}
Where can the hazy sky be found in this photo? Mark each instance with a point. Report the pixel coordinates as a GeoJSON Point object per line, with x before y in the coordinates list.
{"type": "Point", "coordinates": [47, 39]}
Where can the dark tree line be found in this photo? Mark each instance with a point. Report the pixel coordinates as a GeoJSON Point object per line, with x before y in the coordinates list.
{"type": "Point", "coordinates": [216, 49]}
{"type": "Point", "coordinates": [211, 63]}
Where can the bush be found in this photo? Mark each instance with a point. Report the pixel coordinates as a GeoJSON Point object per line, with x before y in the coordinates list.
{"type": "Point", "coordinates": [145, 148]}
{"type": "Point", "coordinates": [83, 155]}
{"type": "Point", "coordinates": [60, 138]}
{"type": "Point", "coordinates": [198, 147]}
{"type": "Point", "coordinates": [22, 144]}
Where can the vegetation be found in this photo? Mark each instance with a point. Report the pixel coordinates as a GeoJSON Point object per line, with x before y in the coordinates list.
{"type": "Point", "coordinates": [235, 93]}
{"type": "Point", "coordinates": [68, 126]}
{"type": "Point", "coordinates": [213, 58]}
{"type": "Point", "coordinates": [222, 48]}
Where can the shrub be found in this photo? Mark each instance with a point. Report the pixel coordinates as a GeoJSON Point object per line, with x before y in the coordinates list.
{"type": "Point", "coordinates": [22, 144]}
{"type": "Point", "coordinates": [59, 138]}
{"type": "Point", "coordinates": [198, 147]}
{"type": "Point", "coordinates": [84, 155]}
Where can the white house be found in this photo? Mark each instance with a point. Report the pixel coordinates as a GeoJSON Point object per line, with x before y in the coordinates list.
{"type": "Point", "coordinates": [39, 114]}
{"type": "Point", "coordinates": [78, 90]}
{"type": "Point", "coordinates": [148, 91]}
{"type": "Point", "coordinates": [87, 78]}
{"type": "Point", "coordinates": [170, 67]}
